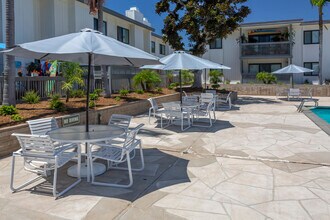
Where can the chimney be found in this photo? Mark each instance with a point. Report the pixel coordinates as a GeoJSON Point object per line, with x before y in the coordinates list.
{"type": "Point", "coordinates": [135, 14]}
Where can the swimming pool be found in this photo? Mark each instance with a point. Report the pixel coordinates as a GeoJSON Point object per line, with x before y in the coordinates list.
{"type": "Point", "coordinates": [323, 113]}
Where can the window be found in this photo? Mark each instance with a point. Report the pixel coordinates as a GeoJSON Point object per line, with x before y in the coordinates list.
{"type": "Point", "coordinates": [314, 66]}
{"type": "Point", "coordinates": [217, 44]}
{"type": "Point", "coordinates": [153, 47]}
{"type": "Point", "coordinates": [311, 37]}
{"type": "Point", "coordinates": [96, 26]}
{"type": "Point", "coordinates": [123, 35]}
{"type": "Point", "coordinates": [264, 67]}
{"type": "Point", "coordinates": [162, 49]}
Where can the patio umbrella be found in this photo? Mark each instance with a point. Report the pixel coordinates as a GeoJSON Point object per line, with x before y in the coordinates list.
{"type": "Point", "coordinates": [85, 47]}
{"type": "Point", "coordinates": [180, 60]}
{"type": "Point", "coordinates": [292, 69]}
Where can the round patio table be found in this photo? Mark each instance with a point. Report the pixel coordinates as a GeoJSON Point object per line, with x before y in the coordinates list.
{"type": "Point", "coordinates": [78, 134]}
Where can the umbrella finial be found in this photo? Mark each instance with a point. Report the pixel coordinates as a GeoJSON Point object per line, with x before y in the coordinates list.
{"type": "Point", "coordinates": [90, 30]}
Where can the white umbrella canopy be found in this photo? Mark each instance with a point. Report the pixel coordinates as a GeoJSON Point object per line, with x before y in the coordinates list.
{"type": "Point", "coordinates": [180, 60]}
{"type": "Point", "coordinates": [75, 47]}
{"type": "Point", "coordinates": [292, 69]}
{"type": "Point", "coordinates": [85, 47]}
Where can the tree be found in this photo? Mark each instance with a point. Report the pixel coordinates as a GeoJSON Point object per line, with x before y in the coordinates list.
{"type": "Point", "coordinates": [266, 78]}
{"type": "Point", "coordinates": [96, 7]}
{"type": "Point", "coordinates": [202, 21]}
{"type": "Point", "coordinates": [320, 4]}
{"type": "Point", "coordinates": [9, 61]}
{"type": "Point", "coordinates": [72, 73]}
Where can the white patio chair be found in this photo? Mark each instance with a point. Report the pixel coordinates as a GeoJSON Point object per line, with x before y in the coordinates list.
{"type": "Point", "coordinates": [294, 93]}
{"type": "Point", "coordinates": [226, 100]}
{"type": "Point", "coordinates": [154, 109]}
{"type": "Point", "coordinates": [174, 112]}
{"type": "Point", "coordinates": [42, 126]}
{"type": "Point", "coordinates": [116, 154]}
{"type": "Point", "coordinates": [190, 99]}
{"type": "Point", "coordinates": [44, 156]}
{"type": "Point", "coordinates": [205, 99]}
{"type": "Point", "coordinates": [121, 121]}
{"type": "Point", "coordinates": [207, 113]}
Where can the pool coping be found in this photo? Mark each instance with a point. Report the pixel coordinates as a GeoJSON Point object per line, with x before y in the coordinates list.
{"type": "Point", "coordinates": [317, 120]}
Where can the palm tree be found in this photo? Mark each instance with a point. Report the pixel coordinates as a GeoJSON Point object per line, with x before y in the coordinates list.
{"type": "Point", "coordinates": [320, 4]}
{"type": "Point", "coordinates": [9, 61]}
{"type": "Point", "coordinates": [96, 6]}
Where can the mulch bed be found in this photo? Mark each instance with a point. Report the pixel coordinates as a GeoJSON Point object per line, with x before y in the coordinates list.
{"type": "Point", "coordinates": [41, 110]}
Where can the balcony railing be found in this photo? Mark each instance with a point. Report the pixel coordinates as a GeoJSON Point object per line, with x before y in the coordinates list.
{"type": "Point", "coordinates": [273, 49]}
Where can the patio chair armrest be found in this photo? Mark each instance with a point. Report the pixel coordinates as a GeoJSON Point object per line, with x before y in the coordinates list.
{"type": "Point", "coordinates": [66, 147]}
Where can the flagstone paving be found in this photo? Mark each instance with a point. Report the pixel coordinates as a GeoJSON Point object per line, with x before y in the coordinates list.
{"type": "Point", "coordinates": [261, 160]}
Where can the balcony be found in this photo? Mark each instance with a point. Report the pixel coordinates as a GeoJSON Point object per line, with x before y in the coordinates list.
{"type": "Point", "coordinates": [266, 50]}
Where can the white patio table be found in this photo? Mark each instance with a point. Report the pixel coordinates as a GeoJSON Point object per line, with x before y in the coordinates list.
{"type": "Point", "coordinates": [78, 134]}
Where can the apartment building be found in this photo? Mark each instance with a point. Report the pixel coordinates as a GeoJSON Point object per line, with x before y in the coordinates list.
{"type": "Point", "coordinates": [268, 46]}
{"type": "Point", "coordinates": [40, 19]}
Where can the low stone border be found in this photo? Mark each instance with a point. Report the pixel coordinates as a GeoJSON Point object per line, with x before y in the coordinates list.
{"type": "Point", "coordinates": [9, 144]}
{"type": "Point", "coordinates": [318, 121]}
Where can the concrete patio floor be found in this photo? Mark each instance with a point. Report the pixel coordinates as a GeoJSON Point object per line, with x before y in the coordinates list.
{"type": "Point", "coordinates": [261, 160]}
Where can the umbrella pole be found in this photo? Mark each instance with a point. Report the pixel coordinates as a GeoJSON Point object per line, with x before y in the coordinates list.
{"type": "Point", "coordinates": [88, 89]}
{"type": "Point", "coordinates": [205, 78]}
{"type": "Point", "coordinates": [292, 80]}
{"type": "Point", "coordinates": [180, 82]}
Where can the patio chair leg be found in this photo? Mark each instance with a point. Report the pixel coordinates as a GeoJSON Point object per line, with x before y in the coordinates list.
{"type": "Point", "coordinates": [55, 194]}
{"type": "Point", "coordinates": [13, 189]}
{"type": "Point", "coordinates": [130, 175]}
{"type": "Point", "coordinates": [149, 114]}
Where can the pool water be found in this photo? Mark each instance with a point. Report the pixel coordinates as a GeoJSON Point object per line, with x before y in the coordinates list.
{"type": "Point", "coordinates": [322, 112]}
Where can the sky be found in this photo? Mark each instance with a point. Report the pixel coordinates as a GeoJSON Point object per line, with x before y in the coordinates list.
{"type": "Point", "coordinates": [262, 10]}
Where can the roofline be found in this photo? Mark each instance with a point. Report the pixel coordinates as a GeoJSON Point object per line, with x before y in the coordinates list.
{"type": "Point", "coordinates": [314, 22]}
{"type": "Point", "coordinates": [121, 16]}
{"type": "Point", "coordinates": [156, 35]}
{"type": "Point", "coordinates": [272, 22]}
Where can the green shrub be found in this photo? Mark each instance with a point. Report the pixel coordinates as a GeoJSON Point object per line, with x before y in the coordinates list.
{"type": "Point", "coordinates": [16, 117]}
{"type": "Point", "coordinates": [187, 77]}
{"type": "Point", "coordinates": [91, 104]}
{"type": "Point", "coordinates": [147, 79]}
{"type": "Point", "coordinates": [98, 92]}
{"type": "Point", "coordinates": [170, 77]}
{"type": "Point", "coordinates": [123, 92]}
{"type": "Point", "coordinates": [215, 76]}
{"type": "Point", "coordinates": [8, 110]}
{"type": "Point", "coordinates": [56, 104]}
{"type": "Point", "coordinates": [159, 90]}
{"type": "Point", "coordinates": [78, 93]}
{"type": "Point", "coordinates": [94, 96]}
{"type": "Point", "coordinates": [266, 78]}
{"type": "Point", "coordinates": [215, 86]}
{"type": "Point", "coordinates": [139, 91]}
{"type": "Point", "coordinates": [31, 97]}
{"type": "Point", "coordinates": [227, 81]}
{"type": "Point", "coordinates": [173, 85]}
{"type": "Point", "coordinates": [117, 99]}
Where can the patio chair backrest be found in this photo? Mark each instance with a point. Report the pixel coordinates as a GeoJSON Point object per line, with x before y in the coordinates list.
{"type": "Point", "coordinates": [294, 92]}
{"type": "Point", "coordinates": [184, 93]}
{"type": "Point", "coordinates": [121, 121]}
{"type": "Point", "coordinates": [36, 146]}
{"type": "Point", "coordinates": [190, 99]}
{"type": "Point", "coordinates": [206, 97]}
{"type": "Point", "coordinates": [212, 91]}
{"type": "Point", "coordinates": [42, 126]}
{"type": "Point", "coordinates": [130, 141]}
{"type": "Point", "coordinates": [210, 106]}
{"type": "Point", "coordinates": [310, 93]}
{"type": "Point", "coordinates": [153, 103]}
